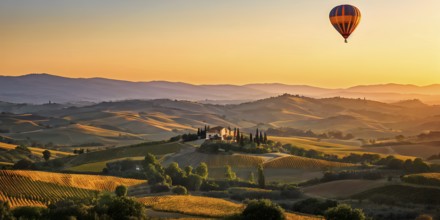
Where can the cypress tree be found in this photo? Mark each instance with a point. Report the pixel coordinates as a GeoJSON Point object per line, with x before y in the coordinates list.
{"type": "Point", "coordinates": [261, 137]}
{"type": "Point", "coordinates": [238, 135]}
{"type": "Point", "coordinates": [265, 138]}
{"type": "Point", "coordinates": [261, 179]}
{"type": "Point", "coordinates": [252, 178]}
{"type": "Point", "coordinates": [257, 139]}
{"type": "Point", "coordinates": [241, 140]}
{"type": "Point", "coordinates": [250, 138]}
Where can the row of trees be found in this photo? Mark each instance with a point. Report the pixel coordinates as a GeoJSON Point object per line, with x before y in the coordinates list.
{"type": "Point", "coordinates": [261, 181]}
{"type": "Point", "coordinates": [408, 166]}
{"type": "Point", "coordinates": [266, 209]}
{"type": "Point", "coordinates": [162, 178]}
{"type": "Point", "coordinates": [259, 137]}
{"type": "Point", "coordinates": [288, 132]}
{"type": "Point", "coordinates": [25, 150]}
{"type": "Point", "coordinates": [193, 179]}
{"type": "Point", "coordinates": [201, 132]}
{"type": "Point", "coordinates": [105, 206]}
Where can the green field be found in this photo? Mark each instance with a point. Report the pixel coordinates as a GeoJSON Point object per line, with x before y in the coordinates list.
{"type": "Point", "coordinates": [99, 158]}
{"type": "Point", "coordinates": [429, 179]}
{"type": "Point", "coordinates": [98, 166]}
{"type": "Point", "coordinates": [340, 150]}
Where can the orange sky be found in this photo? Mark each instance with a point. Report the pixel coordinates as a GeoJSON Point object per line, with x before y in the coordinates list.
{"type": "Point", "coordinates": [215, 42]}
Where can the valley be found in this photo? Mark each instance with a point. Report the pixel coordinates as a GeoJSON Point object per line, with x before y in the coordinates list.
{"type": "Point", "coordinates": [348, 151]}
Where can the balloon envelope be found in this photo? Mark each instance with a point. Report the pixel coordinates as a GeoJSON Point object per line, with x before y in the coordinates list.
{"type": "Point", "coordinates": [345, 19]}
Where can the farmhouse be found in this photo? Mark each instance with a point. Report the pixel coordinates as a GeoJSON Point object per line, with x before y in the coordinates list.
{"type": "Point", "coordinates": [220, 133]}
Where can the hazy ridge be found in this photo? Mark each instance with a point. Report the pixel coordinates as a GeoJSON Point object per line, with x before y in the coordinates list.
{"type": "Point", "coordinates": [42, 88]}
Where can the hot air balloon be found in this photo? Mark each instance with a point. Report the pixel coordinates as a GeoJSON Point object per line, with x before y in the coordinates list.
{"type": "Point", "coordinates": [345, 18]}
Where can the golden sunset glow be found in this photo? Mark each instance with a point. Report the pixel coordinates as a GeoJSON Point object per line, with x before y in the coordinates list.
{"type": "Point", "coordinates": [216, 42]}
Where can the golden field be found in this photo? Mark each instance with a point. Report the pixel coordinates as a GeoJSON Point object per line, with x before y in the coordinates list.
{"type": "Point", "coordinates": [35, 188]}
{"type": "Point", "coordinates": [193, 205]}
{"type": "Point", "coordinates": [92, 182]}
{"type": "Point", "coordinates": [36, 151]}
{"type": "Point", "coordinates": [303, 162]}
{"type": "Point", "coordinates": [203, 206]}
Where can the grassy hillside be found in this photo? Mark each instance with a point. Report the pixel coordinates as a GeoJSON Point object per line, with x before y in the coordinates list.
{"type": "Point", "coordinates": [138, 150]}
{"type": "Point", "coordinates": [35, 188]}
{"type": "Point", "coordinates": [91, 182]}
{"type": "Point", "coordinates": [430, 179]}
{"type": "Point", "coordinates": [10, 155]}
{"type": "Point", "coordinates": [403, 194]}
{"type": "Point", "coordinates": [35, 150]}
{"type": "Point", "coordinates": [342, 188]}
{"type": "Point", "coordinates": [409, 149]}
{"type": "Point", "coordinates": [334, 148]}
{"type": "Point", "coordinates": [216, 160]}
{"type": "Point", "coordinates": [78, 134]}
{"type": "Point", "coordinates": [133, 121]}
{"type": "Point", "coordinates": [323, 146]}
{"type": "Point", "coordinates": [202, 206]}
{"type": "Point", "coordinates": [98, 166]}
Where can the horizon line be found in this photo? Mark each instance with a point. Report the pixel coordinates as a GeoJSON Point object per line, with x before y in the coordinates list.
{"type": "Point", "coordinates": [226, 84]}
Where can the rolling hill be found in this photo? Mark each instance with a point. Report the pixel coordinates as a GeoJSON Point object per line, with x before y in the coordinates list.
{"type": "Point", "coordinates": [120, 123]}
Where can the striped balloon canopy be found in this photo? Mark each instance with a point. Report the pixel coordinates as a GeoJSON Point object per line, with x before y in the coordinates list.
{"type": "Point", "coordinates": [345, 19]}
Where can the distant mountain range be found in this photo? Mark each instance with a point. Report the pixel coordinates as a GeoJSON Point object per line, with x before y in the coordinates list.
{"type": "Point", "coordinates": [42, 88]}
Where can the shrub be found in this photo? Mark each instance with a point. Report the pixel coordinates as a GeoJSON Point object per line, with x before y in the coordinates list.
{"type": "Point", "coordinates": [23, 164]}
{"type": "Point", "coordinates": [344, 212]}
{"type": "Point", "coordinates": [23, 149]}
{"type": "Point", "coordinates": [29, 212]}
{"type": "Point", "coordinates": [66, 209]}
{"type": "Point", "coordinates": [229, 174]}
{"type": "Point", "coordinates": [194, 182]}
{"type": "Point", "coordinates": [175, 138]}
{"type": "Point", "coordinates": [202, 170]}
{"type": "Point", "coordinates": [209, 186]}
{"type": "Point", "coordinates": [179, 190]}
{"type": "Point", "coordinates": [291, 192]}
{"type": "Point", "coordinates": [121, 191]}
{"type": "Point", "coordinates": [314, 206]}
{"type": "Point", "coordinates": [424, 217]}
{"type": "Point", "coordinates": [46, 155]}
{"type": "Point", "coordinates": [5, 211]}
{"type": "Point", "coordinates": [430, 179]}
{"type": "Point", "coordinates": [126, 208]}
{"type": "Point", "coordinates": [190, 137]}
{"type": "Point", "coordinates": [157, 188]}
{"type": "Point", "coordinates": [263, 209]}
